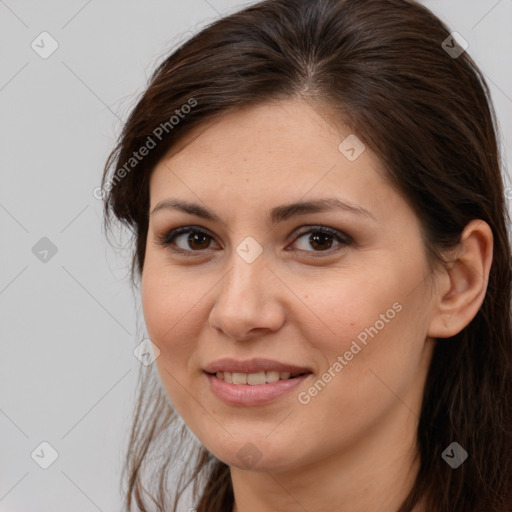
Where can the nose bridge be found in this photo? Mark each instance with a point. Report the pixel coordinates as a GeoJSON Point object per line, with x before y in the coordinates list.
{"type": "Point", "coordinates": [246, 279]}
{"type": "Point", "coordinates": [243, 302]}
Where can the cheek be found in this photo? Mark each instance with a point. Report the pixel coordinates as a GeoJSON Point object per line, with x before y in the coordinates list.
{"type": "Point", "coordinates": [367, 366]}
{"type": "Point", "coordinates": [168, 302]}
{"type": "Point", "coordinates": [167, 295]}
{"type": "Point", "coordinates": [339, 310]}
{"type": "Point", "coordinates": [369, 326]}
{"type": "Point", "coordinates": [156, 303]}
{"type": "Point", "coordinates": [169, 322]}
{"type": "Point", "coordinates": [364, 331]}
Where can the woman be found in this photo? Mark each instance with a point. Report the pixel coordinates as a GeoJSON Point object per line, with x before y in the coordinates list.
{"type": "Point", "coordinates": [321, 239]}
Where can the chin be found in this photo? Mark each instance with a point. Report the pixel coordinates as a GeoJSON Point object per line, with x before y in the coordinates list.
{"type": "Point", "coordinates": [250, 453]}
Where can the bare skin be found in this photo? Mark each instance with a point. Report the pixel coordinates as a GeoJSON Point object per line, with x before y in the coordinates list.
{"type": "Point", "coordinates": [350, 446]}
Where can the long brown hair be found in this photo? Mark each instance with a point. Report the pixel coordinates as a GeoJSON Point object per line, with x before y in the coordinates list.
{"type": "Point", "coordinates": [385, 68]}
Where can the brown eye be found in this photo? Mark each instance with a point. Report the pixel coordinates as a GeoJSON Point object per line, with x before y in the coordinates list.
{"type": "Point", "coordinates": [197, 240]}
{"type": "Point", "coordinates": [186, 240]}
{"type": "Point", "coordinates": [322, 238]}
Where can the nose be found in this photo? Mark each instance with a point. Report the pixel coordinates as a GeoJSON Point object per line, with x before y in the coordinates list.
{"type": "Point", "coordinates": [247, 304]}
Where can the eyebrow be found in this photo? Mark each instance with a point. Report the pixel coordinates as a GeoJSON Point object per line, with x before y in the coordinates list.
{"type": "Point", "coordinates": [277, 214]}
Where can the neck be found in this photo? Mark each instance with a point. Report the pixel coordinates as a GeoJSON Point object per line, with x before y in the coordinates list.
{"type": "Point", "coordinates": [376, 473]}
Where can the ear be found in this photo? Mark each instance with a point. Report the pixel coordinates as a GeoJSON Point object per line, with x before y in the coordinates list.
{"type": "Point", "coordinates": [463, 281]}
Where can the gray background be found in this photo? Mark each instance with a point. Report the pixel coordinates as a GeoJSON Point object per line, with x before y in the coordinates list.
{"type": "Point", "coordinates": [69, 324]}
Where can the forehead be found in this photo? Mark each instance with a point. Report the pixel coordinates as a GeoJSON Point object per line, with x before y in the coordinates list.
{"type": "Point", "coordinates": [274, 152]}
{"type": "Point", "coordinates": [284, 129]}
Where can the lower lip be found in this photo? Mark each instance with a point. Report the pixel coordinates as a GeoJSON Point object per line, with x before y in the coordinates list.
{"type": "Point", "coordinates": [247, 394]}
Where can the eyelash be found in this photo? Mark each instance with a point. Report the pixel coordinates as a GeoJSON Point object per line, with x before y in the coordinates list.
{"type": "Point", "coordinates": [166, 240]}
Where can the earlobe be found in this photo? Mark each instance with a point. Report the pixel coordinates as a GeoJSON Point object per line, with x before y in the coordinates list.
{"type": "Point", "coordinates": [465, 281]}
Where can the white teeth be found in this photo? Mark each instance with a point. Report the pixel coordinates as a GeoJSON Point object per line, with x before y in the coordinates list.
{"type": "Point", "coordinates": [239, 378]}
{"type": "Point", "coordinates": [272, 376]}
{"type": "Point", "coordinates": [256, 378]}
{"type": "Point", "coordinates": [252, 379]}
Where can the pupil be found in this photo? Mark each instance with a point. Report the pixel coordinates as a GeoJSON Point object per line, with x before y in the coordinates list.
{"type": "Point", "coordinates": [194, 237]}
{"type": "Point", "coordinates": [315, 237]}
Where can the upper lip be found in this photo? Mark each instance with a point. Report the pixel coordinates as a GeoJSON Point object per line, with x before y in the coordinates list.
{"type": "Point", "coordinates": [253, 366]}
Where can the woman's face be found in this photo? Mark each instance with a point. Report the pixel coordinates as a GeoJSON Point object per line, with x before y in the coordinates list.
{"type": "Point", "coordinates": [337, 292]}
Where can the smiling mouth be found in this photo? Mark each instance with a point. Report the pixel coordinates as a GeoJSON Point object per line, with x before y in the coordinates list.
{"type": "Point", "coordinates": [257, 378]}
